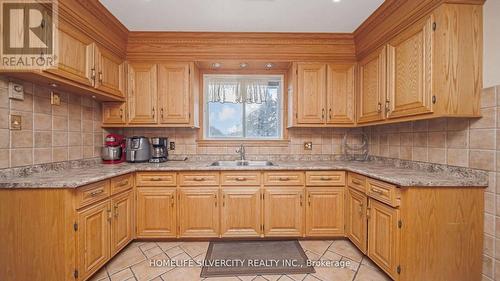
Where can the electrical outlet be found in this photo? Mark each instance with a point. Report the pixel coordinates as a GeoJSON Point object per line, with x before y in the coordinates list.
{"type": "Point", "coordinates": [55, 98]}
{"type": "Point", "coordinates": [172, 145]}
{"type": "Point", "coordinates": [16, 91]}
{"type": "Point", "coordinates": [16, 122]}
{"type": "Point", "coordinates": [308, 145]}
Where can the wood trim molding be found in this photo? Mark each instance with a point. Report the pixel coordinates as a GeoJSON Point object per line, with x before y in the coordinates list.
{"type": "Point", "coordinates": [392, 17]}
{"type": "Point", "coordinates": [240, 45]}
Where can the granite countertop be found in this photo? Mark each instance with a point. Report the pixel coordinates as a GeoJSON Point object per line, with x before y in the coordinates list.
{"type": "Point", "coordinates": [400, 175]}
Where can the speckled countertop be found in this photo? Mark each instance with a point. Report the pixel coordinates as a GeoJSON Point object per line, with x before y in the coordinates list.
{"type": "Point", "coordinates": [414, 174]}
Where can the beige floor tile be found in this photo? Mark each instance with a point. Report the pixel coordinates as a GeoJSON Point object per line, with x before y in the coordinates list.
{"type": "Point", "coordinates": [368, 262]}
{"type": "Point", "coordinates": [128, 257]}
{"type": "Point", "coordinates": [193, 249]}
{"type": "Point", "coordinates": [315, 246]}
{"type": "Point", "coordinates": [157, 279]}
{"type": "Point", "coordinates": [312, 256]}
{"type": "Point", "coordinates": [296, 277]}
{"type": "Point", "coordinates": [366, 273]}
{"type": "Point", "coordinates": [144, 272]}
{"type": "Point", "coordinates": [352, 264]}
{"type": "Point", "coordinates": [346, 249]}
{"type": "Point", "coordinates": [182, 274]}
{"type": "Point", "coordinates": [172, 252]}
{"type": "Point", "coordinates": [334, 273]}
{"type": "Point", "coordinates": [181, 257]}
{"type": "Point", "coordinates": [272, 277]}
{"type": "Point", "coordinates": [260, 278]}
{"type": "Point", "coordinates": [246, 278]}
{"type": "Point", "coordinates": [312, 278]}
{"type": "Point", "coordinates": [222, 279]}
{"type": "Point", "coordinates": [286, 278]}
{"type": "Point", "coordinates": [153, 252]}
{"type": "Point", "coordinates": [100, 275]}
{"type": "Point", "coordinates": [122, 275]}
{"type": "Point", "coordinates": [168, 245]}
{"type": "Point", "coordinates": [331, 256]}
{"type": "Point", "coordinates": [146, 246]}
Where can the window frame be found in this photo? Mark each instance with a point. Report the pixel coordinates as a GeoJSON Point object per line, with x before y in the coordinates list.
{"type": "Point", "coordinates": [281, 105]}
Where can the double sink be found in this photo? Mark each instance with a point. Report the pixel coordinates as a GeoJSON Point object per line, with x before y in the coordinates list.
{"type": "Point", "coordinates": [240, 163]}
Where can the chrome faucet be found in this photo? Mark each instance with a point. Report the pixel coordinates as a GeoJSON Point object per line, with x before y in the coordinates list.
{"type": "Point", "coordinates": [241, 151]}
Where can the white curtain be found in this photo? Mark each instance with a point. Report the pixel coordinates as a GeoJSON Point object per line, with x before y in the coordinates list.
{"type": "Point", "coordinates": [233, 90]}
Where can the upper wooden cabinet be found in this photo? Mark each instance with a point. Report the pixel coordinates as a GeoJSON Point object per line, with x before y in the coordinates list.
{"type": "Point", "coordinates": [114, 112]}
{"type": "Point", "coordinates": [174, 97]}
{"type": "Point", "coordinates": [142, 93]}
{"type": "Point", "coordinates": [81, 60]}
{"type": "Point", "coordinates": [372, 87]}
{"type": "Point", "coordinates": [321, 94]}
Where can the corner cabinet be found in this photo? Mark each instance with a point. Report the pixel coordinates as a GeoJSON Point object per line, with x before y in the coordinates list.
{"type": "Point", "coordinates": [372, 85]}
{"type": "Point", "coordinates": [321, 94]}
{"type": "Point", "coordinates": [142, 93]}
{"type": "Point", "coordinates": [356, 218]}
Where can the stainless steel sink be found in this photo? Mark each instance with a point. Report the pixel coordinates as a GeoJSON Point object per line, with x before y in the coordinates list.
{"type": "Point", "coordinates": [239, 163]}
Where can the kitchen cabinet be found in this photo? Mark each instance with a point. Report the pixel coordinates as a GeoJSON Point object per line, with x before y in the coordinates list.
{"type": "Point", "coordinates": [384, 236]}
{"type": "Point", "coordinates": [142, 93]}
{"type": "Point", "coordinates": [324, 94]}
{"type": "Point", "coordinates": [241, 211]}
{"type": "Point", "coordinates": [283, 211]}
{"type": "Point", "coordinates": [110, 72]}
{"type": "Point", "coordinates": [356, 220]}
{"type": "Point", "coordinates": [199, 211]}
{"type": "Point", "coordinates": [174, 99]}
{"type": "Point", "coordinates": [311, 92]}
{"type": "Point", "coordinates": [114, 113]}
{"type": "Point", "coordinates": [123, 220]}
{"type": "Point", "coordinates": [325, 211]}
{"type": "Point", "coordinates": [372, 87]}
{"type": "Point", "coordinates": [340, 94]}
{"type": "Point", "coordinates": [156, 212]}
{"type": "Point", "coordinates": [409, 71]}
{"type": "Point", "coordinates": [93, 238]}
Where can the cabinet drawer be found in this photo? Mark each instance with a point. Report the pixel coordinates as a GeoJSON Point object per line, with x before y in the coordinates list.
{"type": "Point", "coordinates": [156, 179]}
{"type": "Point", "coordinates": [383, 192]}
{"type": "Point", "coordinates": [122, 183]}
{"type": "Point", "coordinates": [198, 179]}
{"type": "Point", "coordinates": [284, 178]}
{"type": "Point", "coordinates": [327, 178]}
{"type": "Point", "coordinates": [356, 181]}
{"type": "Point", "coordinates": [91, 193]}
{"type": "Point", "coordinates": [240, 178]}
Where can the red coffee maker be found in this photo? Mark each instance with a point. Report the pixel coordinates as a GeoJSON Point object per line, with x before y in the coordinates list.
{"type": "Point", "coordinates": [113, 151]}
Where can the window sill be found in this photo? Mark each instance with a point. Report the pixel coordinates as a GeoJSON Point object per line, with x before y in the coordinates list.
{"type": "Point", "coordinates": [205, 143]}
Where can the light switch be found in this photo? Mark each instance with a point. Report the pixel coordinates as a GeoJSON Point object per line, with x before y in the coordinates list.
{"type": "Point", "coordinates": [16, 122]}
{"type": "Point", "coordinates": [55, 98]}
{"type": "Point", "coordinates": [308, 145]}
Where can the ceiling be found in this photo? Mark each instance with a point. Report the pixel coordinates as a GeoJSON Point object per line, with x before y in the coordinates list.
{"type": "Point", "coordinates": [242, 15]}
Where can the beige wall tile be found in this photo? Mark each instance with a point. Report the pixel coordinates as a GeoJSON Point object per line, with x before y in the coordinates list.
{"type": "Point", "coordinates": [437, 139]}
{"type": "Point", "coordinates": [60, 110]}
{"type": "Point", "coordinates": [406, 153]}
{"type": "Point", "coordinates": [21, 157]}
{"type": "Point", "coordinates": [420, 154]}
{"type": "Point", "coordinates": [457, 139]}
{"type": "Point", "coordinates": [420, 139]}
{"type": "Point", "coordinates": [5, 138]}
{"type": "Point", "coordinates": [59, 138]}
{"type": "Point", "coordinates": [489, 203]}
{"type": "Point", "coordinates": [42, 122]}
{"type": "Point", "coordinates": [4, 118]}
{"type": "Point", "coordinates": [4, 158]}
{"type": "Point", "coordinates": [488, 266]}
{"type": "Point", "coordinates": [488, 97]}
{"type": "Point", "coordinates": [4, 98]}
{"type": "Point", "coordinates": [59, 154]}
{"type": "Point", "coordinates": [437, 155]}
{"type": "Point", "coordinates": [43, 139]}
{"type": "Point", "coordinates": [75, 139]}
{"type": "Point", "coordinates": [482, 138]}
{"type": "Point", "coordinates": [457, 124]}
{"type": "Point", "coordinates": [482, 159]}
{"type": "Point", "coordinates": [21, 139]}
{"type": "Point", "coordinates": [22, 105]}
{"type": "Point", "coordinates": [42, 105]}
{"type": "Point", "coordinates": [487, 121]}
{"type": "Point", "coordinates": [42, 155]}
{"type": "Point", "coordinates": [60, 123]}
{"type": "Point", "coordinates": [74, 125]}
{"type": "Point", "coordinates": [458, 157]}
{"type": "Point", "coordinates": [437, 125]}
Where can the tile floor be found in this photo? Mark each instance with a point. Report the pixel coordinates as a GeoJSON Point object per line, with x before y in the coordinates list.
{"type": "Point", "coordinates": [132, 263]}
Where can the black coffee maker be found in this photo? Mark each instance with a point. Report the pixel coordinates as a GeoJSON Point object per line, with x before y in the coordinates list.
{"type": "Point", "coordinates": [159, 150]}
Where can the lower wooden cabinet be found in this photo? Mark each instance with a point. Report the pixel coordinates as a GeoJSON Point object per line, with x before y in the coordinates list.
{"type": "Point", "coordinates": [123, 220]}
{"type": "Point", "coordinates": [93, 238]}
{"type": "Point", "coordinates": [383, 236]}
{"type": "Point", "coordinates": [356, 224]}
{"type": "Point", "coordinates": [325, 211]}
{"type": "Point", "coordinates": [241, 212]}
{"type": "Point", "coordinates": [156, 212]}
{"type": "Point", "coordinates": [199, 212]}
{"type": "Point", "coordinates": [284, 211]}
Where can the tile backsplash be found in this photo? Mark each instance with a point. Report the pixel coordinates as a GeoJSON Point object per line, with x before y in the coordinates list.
{"type": "Point", "coordinates": [49, 133]}
{"type": "Point", "coordinates": [473, 143]}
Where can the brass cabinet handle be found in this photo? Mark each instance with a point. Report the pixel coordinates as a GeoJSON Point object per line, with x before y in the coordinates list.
{"type": "Point", "coordinates": [116, 210]}
{"type": "Point", "coordinates": [356, 181]}
{"type": "Point", "coordinates": [301, 200]}
{"type": "Point", "coordinates": [240, 179]}
{"type": "Point", "coordinates": [161, 112]}
{"type": "Point", "coordinates": [360, 208]}
{"type": "Point", "coordinates": [378, 191]}
{"type": "Point", "coordinates": [309, 199]}
{"type": "Point", "coordinates": [330, 113]}
{"type": "Point", "coordinates": [198, 179]}
{"type": "Point", "coordinates": [156, 179]}
{"type": "Point", "coordinates": [379, 107]}
{"type": "Point", "coordinates": [387, 106]}
{"type": "Point", "coordinates": [223, 200]}
{"type": "Point", "coordinates": [153, 112]}
{"type": "Point", "coordinates": [109, 215]}
{"type": "Point", "coordinates": [215, 197]}
{"type": "Point", "coordinates": [173, 201]}
{"type": "Point", "coordinates": [325, 178]}
{"type": "Point", "coordinates": [92, 74]}
{"type": "Point", "coordinates": [121, 112]}
{"type": "Point", "coordinates": [97, 192]}
{"type": "Point", "coordinates": [100, 76]}
{"type": "Point", "coordinates": [322, 113]}
{"type": "Point", "coordinates": [123, 183]}
{"type": "Point", "coordinates": [284, 179]}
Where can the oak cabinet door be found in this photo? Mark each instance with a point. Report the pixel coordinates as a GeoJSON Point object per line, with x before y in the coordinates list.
{"type": "Point", "coordinates": [174, 95]}
{"type": "Point", "coordinates": [156, 212]}
{"type": "Point", "coordinates": [110, 72]}
{"type": "Point", "coordinates": [283, 211]}
{"type": "Point", "coordinates": [340, 94]}
{"type": "Point", "coordinates": [113, 113]}
{"type": "Point", "coordinates": [123, 220]}
{"type": "Point", "coordinates": [383, 236]}
{"type": "Point", "coordinates": [325, 211]}
{"type": "Point", "coordinates": [409, 64]}
{"type": "Point", "coordinates": [311, 93]}
{"type": "Point", "coordinates": [199, 212]}
{"type": "Point", "coordinates": [372, 88]}
{"type": "Point", "coordinates": [93, 238]}
{"type": "Point", "coordinates": [356, 223]}
{"type": "Point", "coordinates": [76, 57]}
{"type": "Point", "coordinates": [240, 212]}
{"type": "Point", "coordinates": [142, 93]}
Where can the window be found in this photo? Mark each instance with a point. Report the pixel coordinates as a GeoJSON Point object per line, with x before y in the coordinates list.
{"type": "Point", "coordinates": [243, 107]}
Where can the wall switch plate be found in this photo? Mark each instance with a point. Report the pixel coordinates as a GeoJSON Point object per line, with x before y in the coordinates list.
{"type": "Point", "coordinates": [172, 145]}
{"type": "Point", "coordinates": [16, 122]}
{"type": "Point", "coordinates": [16, 91]}
{"type": "Point", "coordinates": [308, 145]}
{"type": "Point", "coordinates": [55, 98]}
